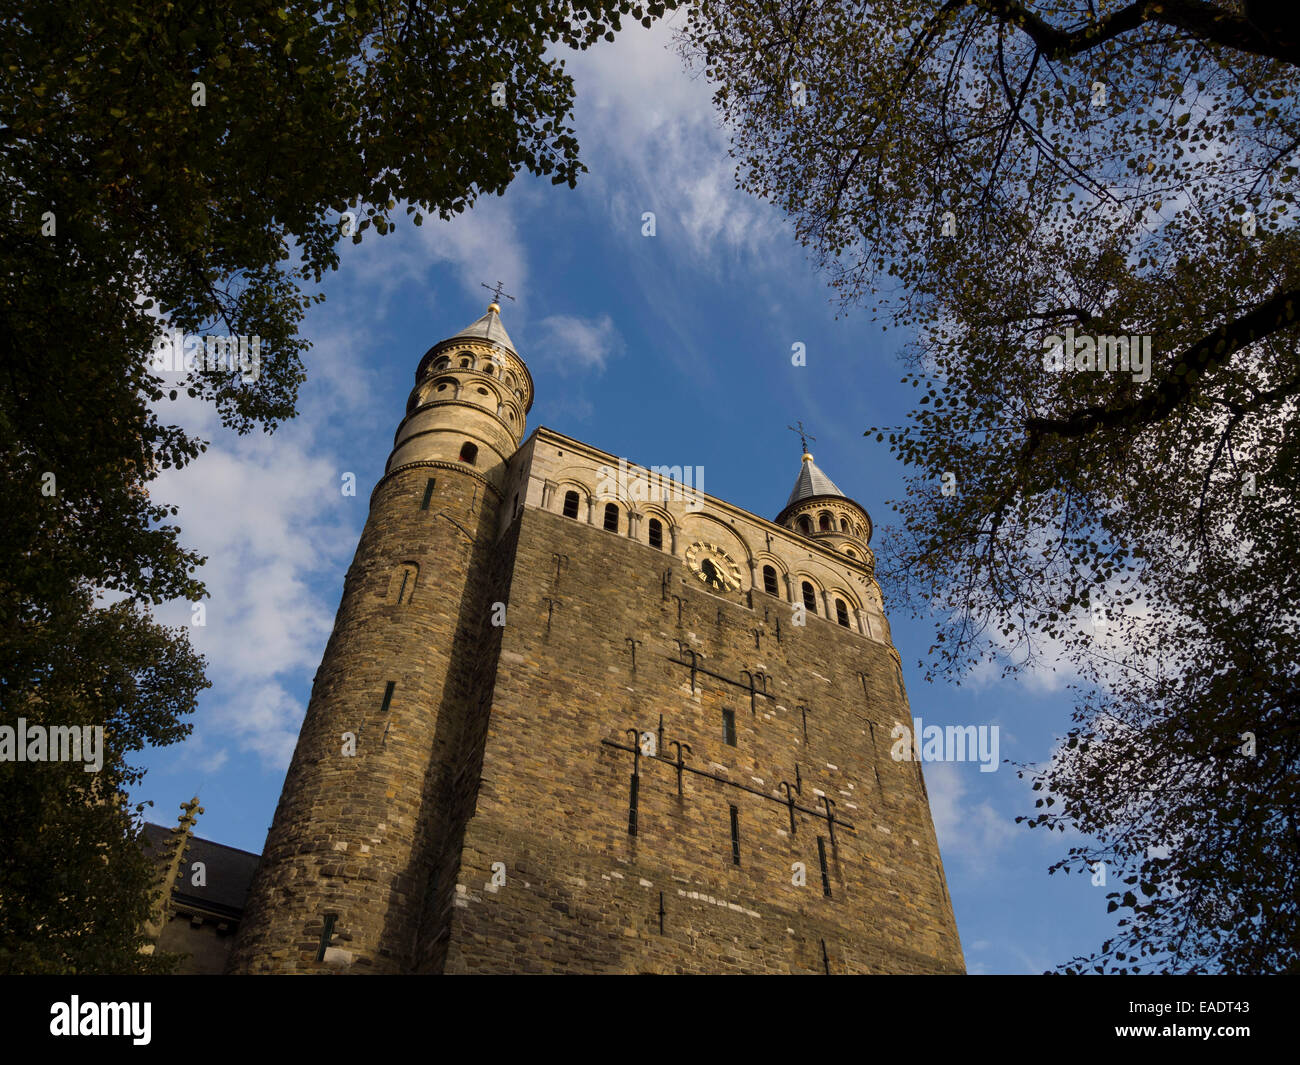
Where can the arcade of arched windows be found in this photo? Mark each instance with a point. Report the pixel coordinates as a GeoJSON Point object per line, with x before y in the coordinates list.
{"type": "Point", "coordinates": [490, 365]}
{"type": "Point", "coordinates": [833, 605]}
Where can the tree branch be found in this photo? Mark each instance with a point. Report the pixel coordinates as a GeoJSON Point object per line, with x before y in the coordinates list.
{"type": "Point", "coordinates": [1211, 351]}
{"type": "Point", "coordinates": [1204, 21]}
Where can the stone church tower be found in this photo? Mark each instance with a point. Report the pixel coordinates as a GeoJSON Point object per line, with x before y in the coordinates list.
{"type": "Point", "coordinates": [576, 715]}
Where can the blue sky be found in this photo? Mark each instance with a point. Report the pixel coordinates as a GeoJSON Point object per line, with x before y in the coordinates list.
{"type": "Point", "coordinates": [672, 349]}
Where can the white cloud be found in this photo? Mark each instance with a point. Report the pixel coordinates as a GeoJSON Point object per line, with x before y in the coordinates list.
{"type": "Point", "coordinates": [569, 344]}
{"type": "Point", "coordinates": [653, 142]}
{"type": "Point", "coordinates": [970, 831]}
{"type": "Point", "coordinates": [481, 245]}
{"type": "Point", "coordinates": [269, 514]}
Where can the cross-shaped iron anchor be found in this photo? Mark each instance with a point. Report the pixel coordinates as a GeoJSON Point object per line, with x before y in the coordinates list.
{"type": "Point", "coordinates": [680, 761]}
{"type": "Point", "coordinates": [830, 816]}
{"type": "Point", "coordinates": [790, 791]}
{"type": "Point", "coordinates": [804, 711]}
{"type": "Point", "coordinates": [695, 661]}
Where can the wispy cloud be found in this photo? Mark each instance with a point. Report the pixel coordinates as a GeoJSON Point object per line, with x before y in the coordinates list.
{"type": "Point", "coordinates": [652, 140]}
{"type": "Point", "coordinates": [269, 513]}
{"type": "Point", "coordinates": [482, 245]}
{"type": "Point", "coordinates": [970, 830]}
{"type": "Point", "coordinates": [572, 345]}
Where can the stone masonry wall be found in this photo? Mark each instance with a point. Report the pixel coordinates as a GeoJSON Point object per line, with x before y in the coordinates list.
{"type": "Point", "coordinates": [359, 836]}
{"type": "Point", "coordinates": [580, 893]}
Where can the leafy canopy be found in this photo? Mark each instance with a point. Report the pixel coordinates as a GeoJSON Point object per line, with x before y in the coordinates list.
{"type": "Point", "coordinates": [190, 167]}
{"type": "Point", "coordinates": [988, 175]}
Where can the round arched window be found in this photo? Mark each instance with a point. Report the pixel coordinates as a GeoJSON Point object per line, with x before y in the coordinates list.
{"type": "Point", "coordinates": [809, 597]}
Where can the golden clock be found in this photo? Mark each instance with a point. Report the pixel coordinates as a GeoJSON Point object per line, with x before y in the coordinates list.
{"type": "Point", "coordinates": [713, 566]}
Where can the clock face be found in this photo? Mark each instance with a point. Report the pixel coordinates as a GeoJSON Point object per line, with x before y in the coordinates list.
{"type": "Point", "coordinates": [713, 566]}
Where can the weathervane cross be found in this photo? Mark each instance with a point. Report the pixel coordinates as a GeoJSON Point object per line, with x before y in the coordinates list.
{"type": "Point", "coordinates": [497, 293]}
{"type": "Point", "coordinates": [804, 435]}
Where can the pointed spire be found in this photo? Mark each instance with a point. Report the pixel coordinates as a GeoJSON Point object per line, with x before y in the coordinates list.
{"type": "Point", "coordinates": [170, 859]}
{"type": "Point", "coordinates": [811, 482]}
{"type": "Point", "coordinates": [488, 327]}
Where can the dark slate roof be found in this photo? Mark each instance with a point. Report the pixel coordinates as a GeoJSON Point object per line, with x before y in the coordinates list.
{"type": "Point", "coordinates": [488, 327]}
{"type": "Point", "coordinates": [811, 482]}
{"type": "Point", "coordinates": [229, 872]}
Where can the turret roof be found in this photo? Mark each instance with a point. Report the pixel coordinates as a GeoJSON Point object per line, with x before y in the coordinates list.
{"type": "Point", "coordinates": [488, 327]}
{"type": "Point", "coordinates": [811, 482]}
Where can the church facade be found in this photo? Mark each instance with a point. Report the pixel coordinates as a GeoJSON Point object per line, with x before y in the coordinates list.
{"type": "Point", "coordinates": [576, 715]}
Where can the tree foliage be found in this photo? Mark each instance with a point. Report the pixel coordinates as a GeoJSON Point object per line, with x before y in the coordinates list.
{"type": "Point", "coordinates": [990, 174]}
{"type": "Point", "coordinates": [192, 163]}
{"type": "Point", "coordinates": [194, 167]}
{"type": "Point", "coordinates": [75, 886]}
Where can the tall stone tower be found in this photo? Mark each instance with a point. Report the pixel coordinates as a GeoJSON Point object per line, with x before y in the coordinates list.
{"type": "Point", "coordinates": [577, 715]}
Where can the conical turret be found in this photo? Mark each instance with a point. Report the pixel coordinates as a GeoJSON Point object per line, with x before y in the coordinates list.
{"type": "Point", "coordinates": [819, 510]}
{"type": "Point", "coordinates": [472, 393]}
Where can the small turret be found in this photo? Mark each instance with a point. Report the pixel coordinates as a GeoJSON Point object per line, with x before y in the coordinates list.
{"type": "Point", "coordinates": [472, 393]}
{"type": "Point", "coordinates": [818, 510]}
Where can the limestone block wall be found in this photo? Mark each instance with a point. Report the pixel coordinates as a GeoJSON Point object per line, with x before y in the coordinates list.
{"type": "Point", "coordinates": [551, 879]}
{"type": "Point", "coordinates": [489, 819]}
{"type": "Point", "coordinates": [357, 836]}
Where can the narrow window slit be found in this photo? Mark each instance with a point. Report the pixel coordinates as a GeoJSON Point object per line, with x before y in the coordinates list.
{"type": "Point", "coordinates": [826, 873]}
{"type": "Point", "coordinates": [327, 933]}
{"type": "Point", "coordinates": [631, 806]}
